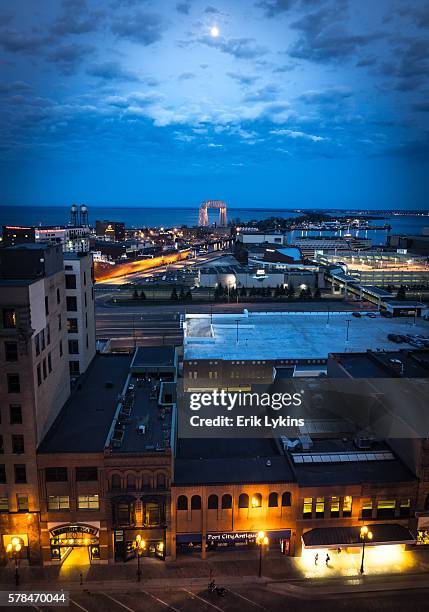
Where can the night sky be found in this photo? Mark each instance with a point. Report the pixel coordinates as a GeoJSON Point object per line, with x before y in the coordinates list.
{"type": "Point", "coordinates": [276, 103]}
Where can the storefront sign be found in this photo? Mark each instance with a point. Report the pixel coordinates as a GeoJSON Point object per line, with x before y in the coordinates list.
{"type": "Point", "coordinates": [233, 536]}
{"type": "Point", "coordinates": [73, 528]}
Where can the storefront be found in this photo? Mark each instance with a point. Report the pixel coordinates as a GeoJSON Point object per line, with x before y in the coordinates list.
{"type": "Point", "coordinates": [124, 543]}
{"type": "Point", "coordinates": [64, 538]}
{"type": "Point", "coordinates": [423, 531]}
{"type": "Point", "coordinates": [190, 542]}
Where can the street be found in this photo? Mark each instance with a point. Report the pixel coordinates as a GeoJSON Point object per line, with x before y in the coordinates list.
{"type": "Point", "coordinates": [238, 599]}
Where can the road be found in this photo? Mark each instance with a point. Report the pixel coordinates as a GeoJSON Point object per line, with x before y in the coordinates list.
{"type": "Point", "coordinates": [239, 599]}
{"type": "Point", "coordinates": [146, 327]}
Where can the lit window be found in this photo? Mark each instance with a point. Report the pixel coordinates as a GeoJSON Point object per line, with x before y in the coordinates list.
{"type": "Point", "coordinates": [58, 502]}
{"type": "Point", "coordinates": [367, 509]}
{"type": "Point", "coordinates": [320, 507]}
{"type": "Point", "coordinates": [88, 502]}
{"type": "Point", "coordinates": [335, 507]}
{"type": "Point", "coordinates": [347, 506]}
{"type": "Point", "coordinates": [308, 507]}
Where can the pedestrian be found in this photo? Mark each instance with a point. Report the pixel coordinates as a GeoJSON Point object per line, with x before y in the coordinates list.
{"type": "Point", "coordinates": [328, 558]}
{"type": "Point", "coordinates": [316, 558]}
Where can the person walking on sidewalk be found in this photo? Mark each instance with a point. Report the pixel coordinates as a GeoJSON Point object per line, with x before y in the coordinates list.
{"type": "Point", "coordinates": [328, 558]}
{"type": "Point", "coordinates": [316, 558]}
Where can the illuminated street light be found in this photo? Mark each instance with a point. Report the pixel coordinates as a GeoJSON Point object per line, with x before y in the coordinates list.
{"type": "Point", "coordinates": [261, 541]}
{"type": "Point", "coordinates": [365, 535]}
{"type": "Point", "coordinates": [13, 549]}
{"type": "Point", "coordinates": [139, 546]}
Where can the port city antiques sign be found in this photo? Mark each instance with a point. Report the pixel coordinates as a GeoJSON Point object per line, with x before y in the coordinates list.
{"type": "Point", "coordinates": [233, 536]}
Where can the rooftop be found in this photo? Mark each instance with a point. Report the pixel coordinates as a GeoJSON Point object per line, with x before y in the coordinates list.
{"type": "Point", "coordinates": [154, 356]}
{"type": "Point", "coordinates": [85, 419]}
{"type": "Point", "coordinates": [380, 364]}
{"type": "Point", "coordinates": [291, 335]}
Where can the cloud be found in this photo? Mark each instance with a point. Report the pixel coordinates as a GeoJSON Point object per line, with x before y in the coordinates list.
{"type": "Point", "coordinates": [296, 134]}
{"type": "Point", "coordinates": [272, 8]}
{"type": "Point", "coordinates": [419, 15]}
{"type": "Point", "coordinates": [69, 57]}
{"type": "Point", "coordinates": [15, 41]}
{"type": "Point", "coordinates": [324, 36]}
{"type": "Point", "coordinates": [15, 87]}
{"type": "Point", "coordinates": [421, 106]}
{"type": "Point", "coordinates": [264, 94]}
{"type": "Point", "coordinates": [213, 145]}
{"type": "Point", "coordinates": [242, 48]}
{"type": "Point", "coordinates": [183, 7]}
{"type": "Point", "coordinates": [329, 97]}
{"type": "Point", "coordinates": [366, 61]}
{"type": "Point", "coordinates": [111, 71]}
{"type": "Point", "coordinates": [142, 28]}
{"type": "Point", "coordinates": [409, 63]}
{"type": "Point", "coordinates": [72, 22]}
{"type": "Point", "coordinates": [186, 76]}
{"type": "Point", "coordinates": [243, 79]}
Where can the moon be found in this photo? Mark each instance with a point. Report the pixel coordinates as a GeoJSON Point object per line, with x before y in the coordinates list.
{"type": "Point", "coordinates": [214, 31]}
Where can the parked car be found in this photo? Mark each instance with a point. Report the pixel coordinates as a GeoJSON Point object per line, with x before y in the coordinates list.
{"type": "Point", "coordinates": [357, 314]}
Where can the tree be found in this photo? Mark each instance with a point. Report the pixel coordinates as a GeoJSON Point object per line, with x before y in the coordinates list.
{"type": "Point", "coordinates": [188, 295]}
{"type": "Point", "coordinates": [182, 294]}
{"type": "Point", "coordinates": [243, 292]}
{"type": "Point", "coordinates": [174, 295]}
{"type": "Point", "coordinates": [291, 291]}
{"type": "Point", "coordinates": [302, 294]}
{"type": "Point", "coordinates": [142, 295]}
{"type": "Point", "coordinates": [135, 294]}
{"type": "Point", "coordinates": [317, 293]}
{"type": "Point", "coordinates": [309, 294]}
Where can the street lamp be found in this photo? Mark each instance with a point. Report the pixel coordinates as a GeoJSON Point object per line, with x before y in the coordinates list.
{"type": "Point", "coordinates": [365, 535]}
{"type": "Point", "coordinates": [261, 541]}
{"type": "Point", "coordinates": [13, 549]}
{"type": "Point", "coordinates": [139, 546]}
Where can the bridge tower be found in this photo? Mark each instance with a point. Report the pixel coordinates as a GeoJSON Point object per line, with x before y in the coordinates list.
{"type": "Point", "coordinates": [203, 217]}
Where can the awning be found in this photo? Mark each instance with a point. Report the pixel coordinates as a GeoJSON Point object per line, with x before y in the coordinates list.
{"type": "Point", "coordinates": [187, 538]}
{"type": "Point", "coordinates": [283, 533]}
{"type": "Point", "coordinates": [337, 537]}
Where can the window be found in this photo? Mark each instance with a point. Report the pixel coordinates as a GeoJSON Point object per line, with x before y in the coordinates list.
{"type": "Point", "coordinates": [152, 514]}
{"type": "Point", "coordinates": [15, 414]}
{"type": "Point", "coordinates": [86, 303]}
{"type": "Point", "coordinates": [13, 383]}
{"type": "Point", "coordinates": [273, 500]}
{"type": "Point", "coordinates": [39, 375]}
{"type": "Point", "coordinates": [286, 499]}
{"type": "Point", "coordinates": [58, 502]}
{"type": "Point", "coordinates": [131, 482]}
{"type": "Point", "coordinates": [70, 281]}
{"type": "Point", "coordinates": [347, 506]}
{"type": "Point", "coordinates": [56, 474]}
{"type": "Point", "coordinates": [308, 507]}
{"type": "Point", "coordinates": [226, 502]}
{"type": "Point", "coordinates": [72, 327]}
{"type": "Point", "coordinates": [116, 482]}
{"type": "Point", "coordinates": [386, 508]}
{"type": "Point", "coordinates": [182, 502]}
{"type": "Point", "coordinates": [86, 473]}
{"type": "Point", "coordinates": [367, 508]}
{"type": "Point", "coordinates": [161, 481]}
{"type": "Point", "coordinates": [84, 278]}
{"type": "Point", "coordinates": [20, 474]}
{"type": "Point", "coordinates": [46, 305]}
{"type": "Point", "coordinates": [195, 502]}
{"type": "Point", "coordinates": [11, 351]}
{"type": "Point", "coordinates": [71, 303]}
{"type": "Point", "coordinates": [42, 340]}
{"type": "Point", "coordinates": [404, 507]}
{"type": "Point", "coordinates": [44, 369]}
{"type": "Point", "coordinates": [9, 318]}
{"type": "Point", "coordinates": [243, 500]}
{"type": "Point", "coordinates": [1, 445]}
{"type": "Point", "coordinates": [61, 348]}
{"type": "Point", "coordinates": [60, 323]}
{"type": "Point", "coordinates": [74, 368]}
{"type": "Point", "coordinates": [146, 481]}
{"type": "Point", "coordinates": [320, 507]}
{"type": "Point", "coordinates": [212, 502]}
{"type": "Point", "coordinates": [58, 297]}
{"type": "Point", "coordinates": [18, 444]}
{"type": "Point", "coordinates": [22, 503]}
{"type": "Point", "coordinates": [88, 502]}
{"type": "Point", "coordinates": [2, 473]}
{"type": "Point", "coordinates": [49, 362]}
{"type": "Point", "coordinates": [37, 344]}
{"type": "Point", "coordinates": [256, 500]}
{"type": "Point", "coordinates": [4, 504]}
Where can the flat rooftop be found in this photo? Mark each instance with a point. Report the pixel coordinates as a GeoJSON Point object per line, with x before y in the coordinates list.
{"type": "Point", "coordinates": [380, 365]}
{"type": "Point", "coordinates": [154, 356]}
{"type": "Point", "coordinates": [291, 335]}
{"type": "Point", "coordinates": [156, 420]}
{"type": "Point", "coordinates": [219, 461]}
{"type": "Point", "coordinates": [85, 419]}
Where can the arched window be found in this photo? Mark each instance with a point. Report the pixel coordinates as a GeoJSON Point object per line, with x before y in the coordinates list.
{"type": "Point", "coordinates": [161, 481]}
{"type": "Point", "coordinates": [212, 502]}
{"type": "Point", "coordinates": [273, 500]}
{"type": "Point", "coordinates": [195, 502]}
{"type": "Point", "coordinates": [256, 500]}
{"type": "Point", "coordinates": [286, 499]}
{"type": "Point", "coordinates": [116, 482]}
{"type": "Point", "coordinates": [146, 481]}
{"type": "Point", "coordinates": [226, 501]}
{"type": "Point", "coordinates": [182, 502]}
{"type": "Point", "coordinates": [243, 501]}
{"type": "Point", "coordinates": [131, 482]}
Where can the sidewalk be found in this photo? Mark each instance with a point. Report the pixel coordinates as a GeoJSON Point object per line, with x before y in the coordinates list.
{"type": "Point", "coordinates": [280, 574]}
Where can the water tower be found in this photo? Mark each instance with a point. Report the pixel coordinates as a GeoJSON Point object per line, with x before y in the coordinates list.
{"type": "Point", "coordinates": [84, 215]}
{"type": "Point", "coordinates": [73, 215]}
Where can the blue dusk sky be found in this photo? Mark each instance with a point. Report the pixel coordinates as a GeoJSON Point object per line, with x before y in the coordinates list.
{"type": "Point", "coordinates": [263, 103]}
